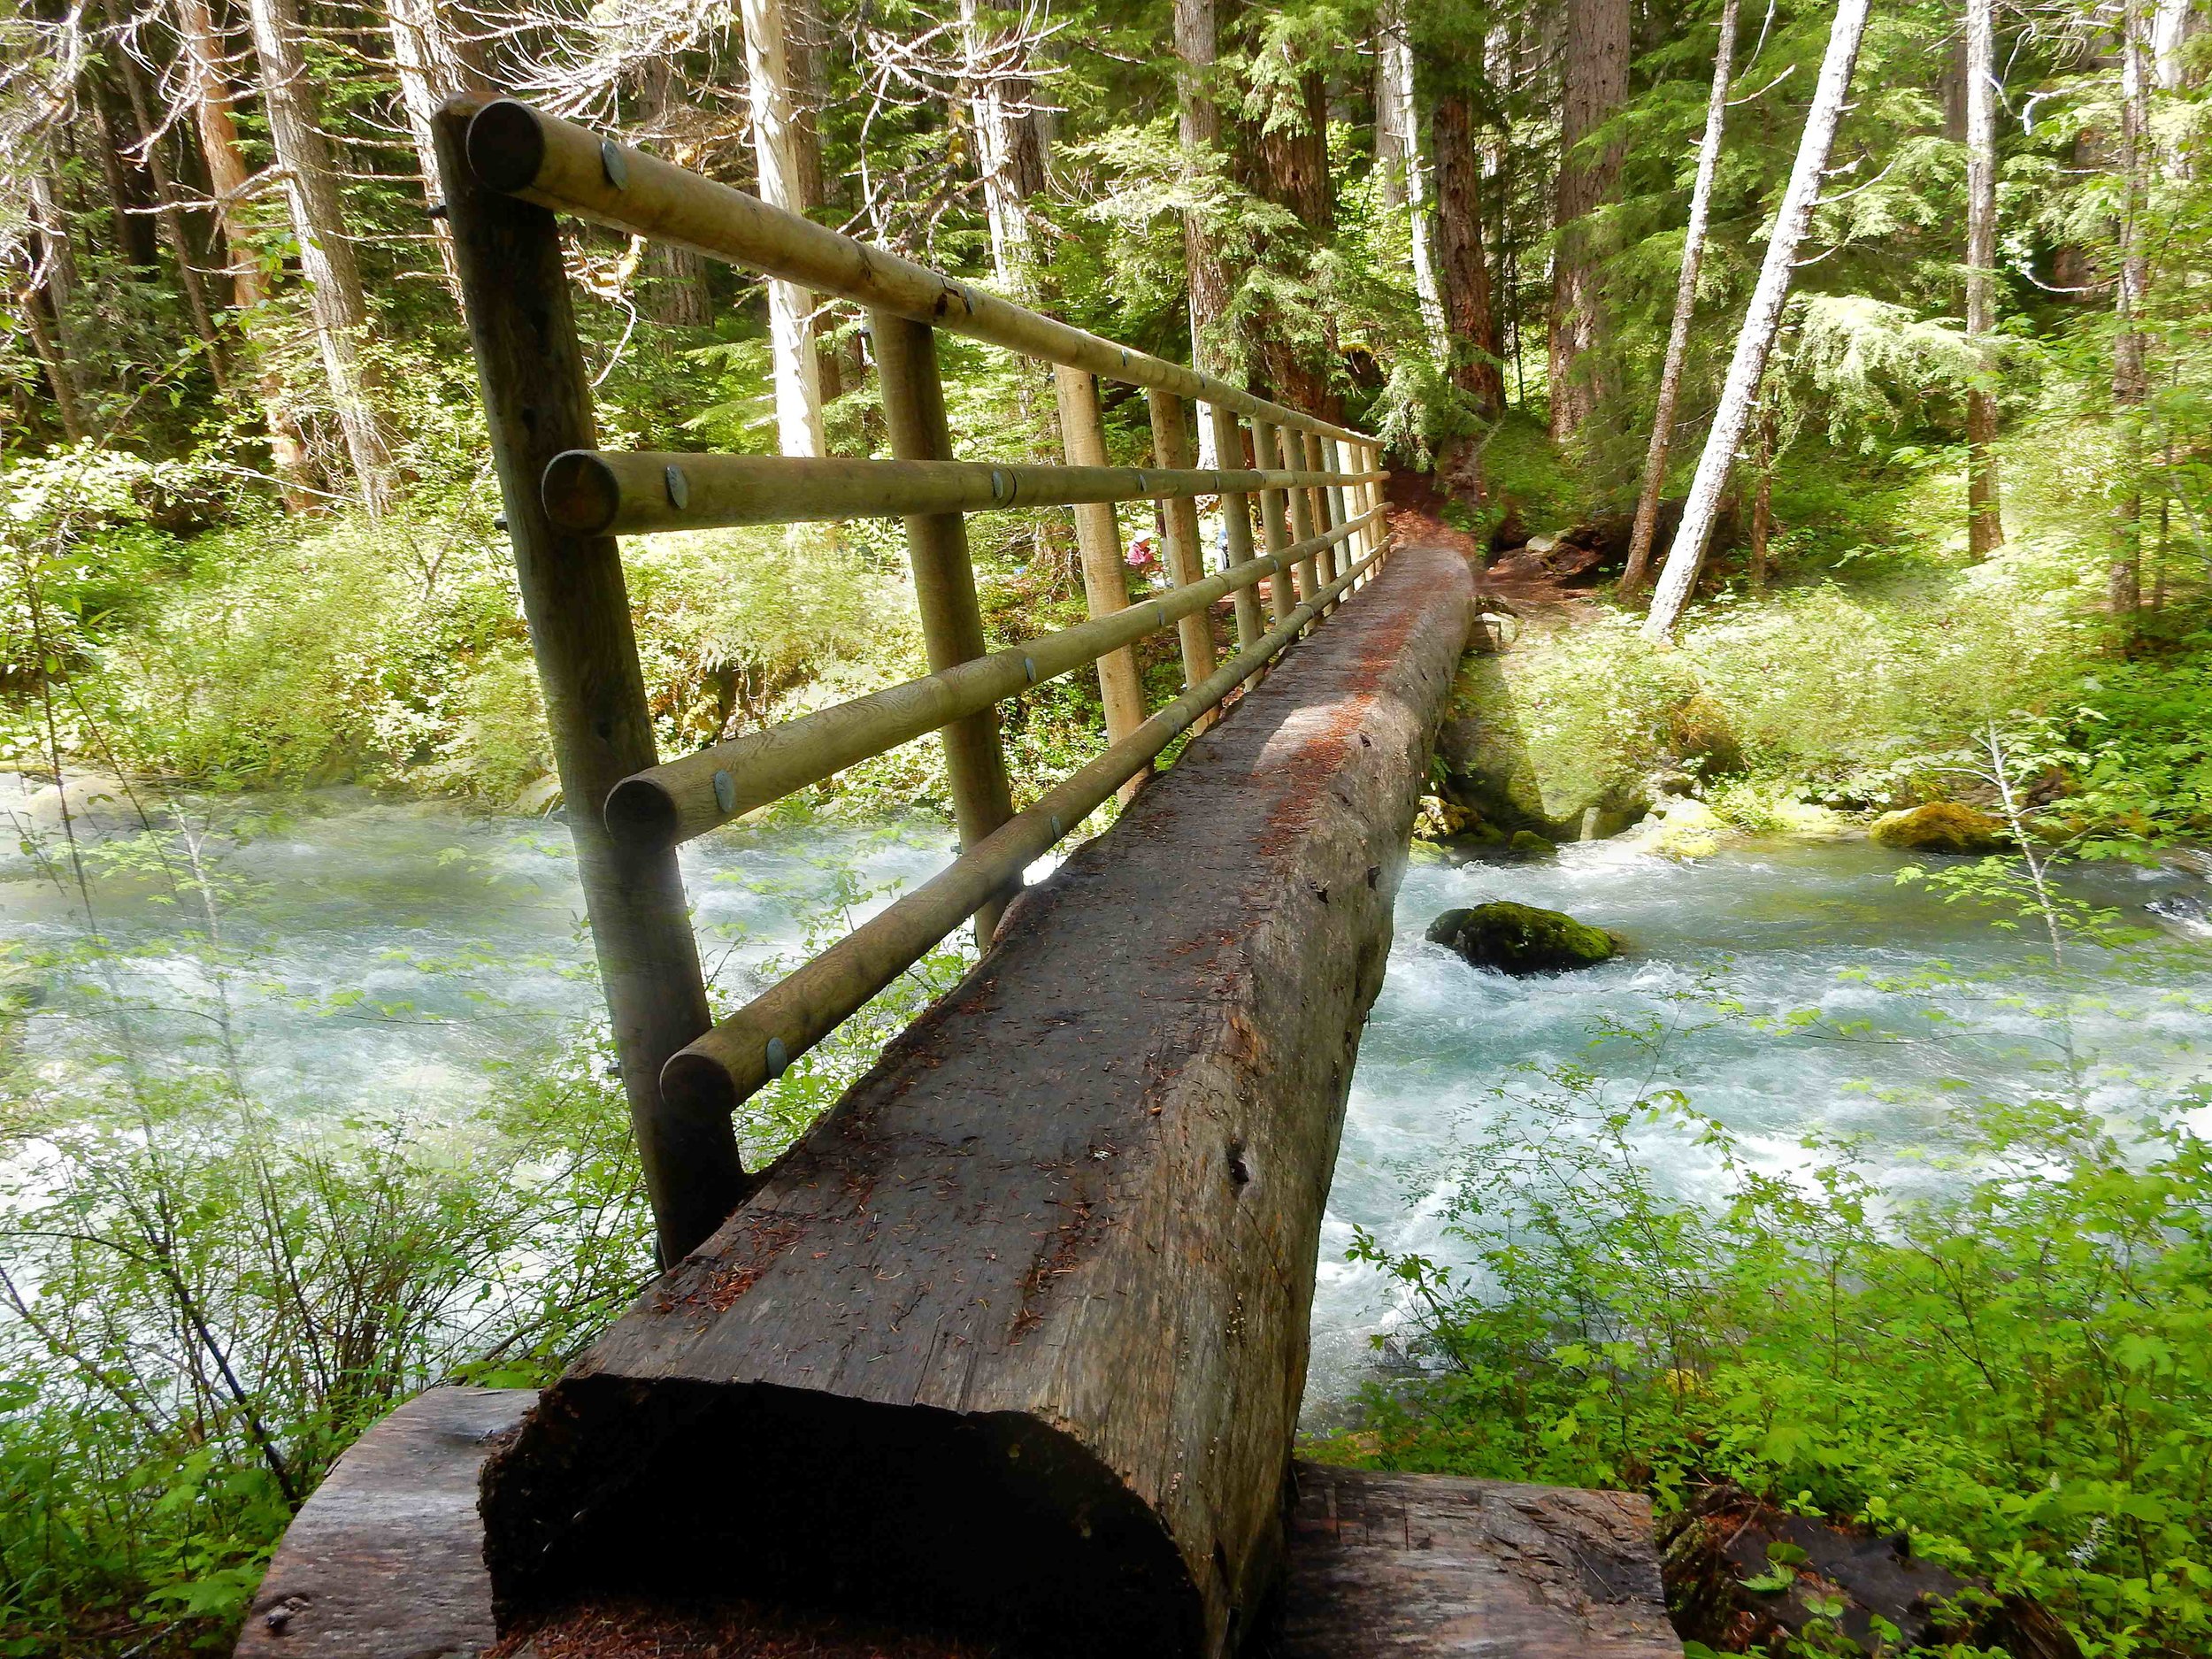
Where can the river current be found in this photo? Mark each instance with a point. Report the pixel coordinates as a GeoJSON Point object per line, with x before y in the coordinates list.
{"type": "Point", "coordinates": [382, 956]}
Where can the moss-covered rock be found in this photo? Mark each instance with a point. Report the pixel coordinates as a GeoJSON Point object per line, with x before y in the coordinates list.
{"type": "Point", "coordinates": [1521, 938]}
{"type": "Point", "coordinates": [1942, 826]}
{"type": "Point", "coordinates": [1529, 844]}
{"type": "Point", "coordinates": [1678, 828]}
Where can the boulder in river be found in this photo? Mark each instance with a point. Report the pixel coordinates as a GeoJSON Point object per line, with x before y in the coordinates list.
{"type": "Point", "coordinates": [1942, 826]}
{"type": "Point", "coordinates": [1521, 938]}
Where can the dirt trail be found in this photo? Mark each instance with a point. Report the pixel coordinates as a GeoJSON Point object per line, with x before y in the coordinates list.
{"type": "Point", "coordinates": [1542, 599]}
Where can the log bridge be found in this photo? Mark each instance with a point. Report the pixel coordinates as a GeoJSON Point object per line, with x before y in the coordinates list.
{"type": "Point", "coordinates": [1005, 1355]}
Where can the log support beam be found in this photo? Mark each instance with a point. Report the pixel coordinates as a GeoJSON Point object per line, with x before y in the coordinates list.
{"type": "Point", "coordinates": [1016, 1335]}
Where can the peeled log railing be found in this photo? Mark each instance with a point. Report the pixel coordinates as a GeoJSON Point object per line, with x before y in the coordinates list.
{"type": "Point", "coordinates": [1322, 533]}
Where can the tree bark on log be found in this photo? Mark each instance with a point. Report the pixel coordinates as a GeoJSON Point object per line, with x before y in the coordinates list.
{"type": "Point", "coordinates": [1984, 521]}
{"type": "Point", "coordinates": [1017, 1333]}
{"type": "Point", "coordinates": [1762, 320]}
{"type": "Point", "coordinates": [1646, 525]}
{"type": "Point", "coordinates": [1596, 86]}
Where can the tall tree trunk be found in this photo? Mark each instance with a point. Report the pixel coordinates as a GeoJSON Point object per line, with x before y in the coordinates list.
{"type": "Point", "coordinates": [35, 305]}
{"type": "Point", "coordinates": [1394, 92]}
{"type": "Point", "coordinates": [1985, 521]}
{"type": "Point", "coordinates": [171, 217]}
{"type": "Point", "coordinates": [1640, 538]}
{"type": "Point", "coordinates": [2170, 29]}
{"type": "Point", "coordinates": [2130, 373]}
{"type": "Point", "coordinates": [47, 305]}
{"type": "Point", "coordinates": [790, 307]}
{"type": "Point", "coordinates": [1470, 312]}
{"type": "Point", "coordinates": [319, 221]}
{"type": "Point", "coordinates": [1762, 492]}
{"type": "Point", "coordinates": [1198, 124]}
{"type": "Point", "coordinates": [1393, 125]}
{"type": "Point", "coordinates": [804, 46]}
{"type": "Point", "coordinates": [435, 63]}
{"type": "Point", "coordinates": [1288, 166]}
{"type": "Point", "coordinates": [675, 287]}
{"type": "Point", "coordinates": [1762, 320]}
{"type": "Point", "coordinates": [227, 183]}
{"type": "Point", "coordinates": [133, 233]}
{"type": "Point", "coordinates": [1596, 85]}
{"type": "Point", "coordinates": [1009, 160]}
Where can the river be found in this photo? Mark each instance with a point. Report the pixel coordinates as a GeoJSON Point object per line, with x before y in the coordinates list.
{"type": "Point", "coordinates": [380, 955]}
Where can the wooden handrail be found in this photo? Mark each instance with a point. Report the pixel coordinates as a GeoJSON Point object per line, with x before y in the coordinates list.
{"type": "Point", "coordinates": [510, 168]}
{"type": "Point", "coordinates": [751, 1047]}
{"type": "Point", "coordinates": [570, 169]}
{"type": "Point", "coordinates": [594, 492]}
{"type": "Point", "coordinates": [688, 796]}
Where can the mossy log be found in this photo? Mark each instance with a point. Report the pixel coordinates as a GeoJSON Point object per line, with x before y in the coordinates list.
{"type": "Point", "coordinates": [1016, 1335]}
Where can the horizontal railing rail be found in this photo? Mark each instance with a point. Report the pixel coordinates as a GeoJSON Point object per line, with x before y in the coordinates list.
{"type": "Point", "coordinates": [686, 797]}
{"type": "Point", "coordinates": [754, 1046]}
{"type": "Point", "coordinates": [594, 492]}
{"type": "Point", "coordinates": [1323, 531]}
{"type": "Point", "coordinates": [557, 165]}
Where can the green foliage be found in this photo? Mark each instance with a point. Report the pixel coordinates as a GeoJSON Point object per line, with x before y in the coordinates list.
{"type": "Point", "coordinates": [204, 1296]}
{"type": "Point", "coordinates": [206, 1304]}
{"type": "Point", "coordinates": [2016, 1368]}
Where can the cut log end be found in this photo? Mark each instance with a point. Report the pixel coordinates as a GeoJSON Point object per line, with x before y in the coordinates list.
{"type": "Point", "coordinates": [580, 492]}
{"type": "Point", "coordinates": [697, 1085]}
{"type": "Point", "coordinates": [641, 815]}
{"type": "Point", "coordinates": [985, 1519]}
{"type": "Point", "coordinates": [506, 146]}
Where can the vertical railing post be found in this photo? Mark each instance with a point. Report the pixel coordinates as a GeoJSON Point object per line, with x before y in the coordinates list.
{"type": "Point", "coordinates": [1372, 496]}
{"type": "Point", "coordinates": [1185, 561]}
{"type": "Point", "coordinates": [1317, 460]}
{"type": "Point", "coordinates": [1268, 456]}
{"type": "Point", "coordinates": [1300, 497]}
{"type": "Point", "coordinates": [913, 392]}
{"type": "Point", "coordinates": [1236, 519]}
{"type": "Point", "coordinates": [1340, 498]}
{"type": "Point", "coordinates": [537, 403]}
{"type": "Point", "coordinates": [1098, 540]}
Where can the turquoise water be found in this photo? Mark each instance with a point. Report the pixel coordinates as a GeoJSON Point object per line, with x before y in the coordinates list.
{"type": "Point", "coordinates": [366, 954]}
{"type": "Point", "coordinates": [1775, 928]}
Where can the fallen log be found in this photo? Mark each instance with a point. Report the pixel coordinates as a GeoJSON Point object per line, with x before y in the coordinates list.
{"type": "Point", "coordinates": [1016, 1335]}
{"type": "Point", "coordinates": [386, 1562]}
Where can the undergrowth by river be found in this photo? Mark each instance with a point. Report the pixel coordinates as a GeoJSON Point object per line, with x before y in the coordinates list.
{"type": "Point", "coordinates": [305, 1113]}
